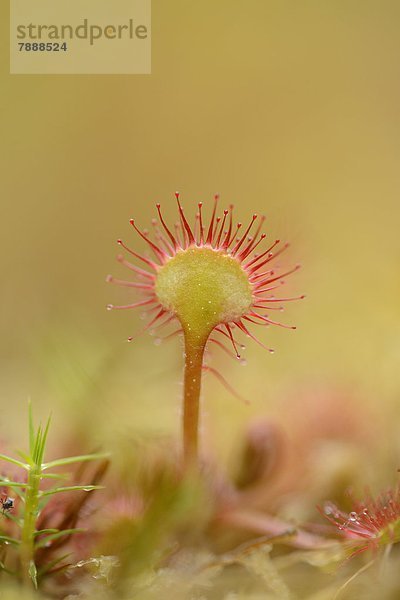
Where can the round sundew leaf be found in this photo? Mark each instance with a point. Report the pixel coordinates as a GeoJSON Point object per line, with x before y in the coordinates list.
{"type": "Point", "coordinates": [203, 287]}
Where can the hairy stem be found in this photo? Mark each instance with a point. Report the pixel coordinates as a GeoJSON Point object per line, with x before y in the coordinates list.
{"type": "Point", "coordinates": [194, 352]}
{"type": "Point", "coordinates": [28, 530]}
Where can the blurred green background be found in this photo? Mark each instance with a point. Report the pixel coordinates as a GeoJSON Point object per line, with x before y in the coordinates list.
{"type": "Point", "coordinates": [286, 108]}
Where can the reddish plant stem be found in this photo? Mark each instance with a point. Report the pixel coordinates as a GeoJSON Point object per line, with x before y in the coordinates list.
{"type": "Point", "coordinates": [261, 523]}
{"type": "Point", "coordinates": [194, 353]}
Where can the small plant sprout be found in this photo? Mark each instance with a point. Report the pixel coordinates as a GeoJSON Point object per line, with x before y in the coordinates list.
{"type": "Point", "coordinates": [213, 279]}
{"type": "Point", "coordinates": [21, 513]}
{"type": "Point", "coordinates": [372, 523]}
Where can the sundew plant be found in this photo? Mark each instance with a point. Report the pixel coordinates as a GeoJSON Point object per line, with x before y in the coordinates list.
{"type": "Point", "coordinates": [212, 279]}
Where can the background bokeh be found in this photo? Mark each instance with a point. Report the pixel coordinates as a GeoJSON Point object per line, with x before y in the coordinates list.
{"type": "Point", "coordinates": [285, 108]}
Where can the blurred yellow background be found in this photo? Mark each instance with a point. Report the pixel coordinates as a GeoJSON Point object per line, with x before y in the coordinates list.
{"type": "Point", "coordinates": [287, 108]}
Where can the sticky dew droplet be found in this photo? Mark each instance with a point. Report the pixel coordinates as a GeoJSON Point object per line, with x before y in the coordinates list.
{"type": "Point", "coordinates": [353, 517]}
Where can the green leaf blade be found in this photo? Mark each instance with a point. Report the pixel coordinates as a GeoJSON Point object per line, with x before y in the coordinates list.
{"type": "Point", "coordinates": [15, 484]}
{"type": "Point", "coordinates": [50, 565]}
{"type": "Point", "coordinates": [59, 534]}
{"type": "Point", "coordinates": [74, 459]}
{"type": "Point", "coordinates": [72, 488]}
{"type": "Point", "coordinates": [6, 539]}
{"type": "Point", "coordinates": [43, 441]}
{"type": "Point", "coordinates": [14, 461]}
{"type": "Point", "coordinates": [43, 531]}
{"type": "Point", "coordinates": [33, 573]}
